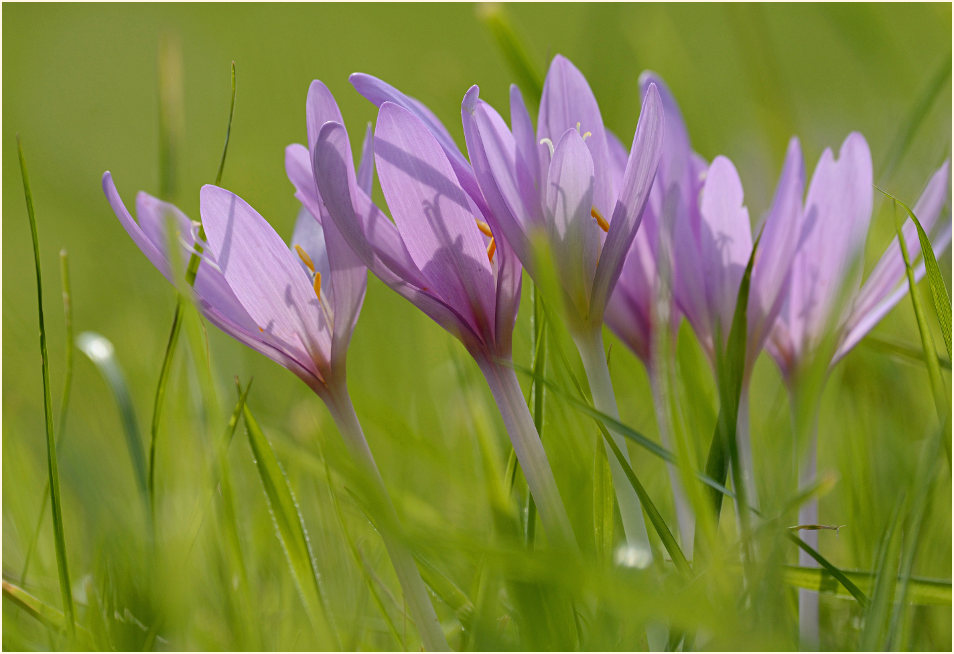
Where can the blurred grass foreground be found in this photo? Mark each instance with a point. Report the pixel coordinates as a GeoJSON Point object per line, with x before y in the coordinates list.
{"type": "Point", "coordinates": [211, 562]}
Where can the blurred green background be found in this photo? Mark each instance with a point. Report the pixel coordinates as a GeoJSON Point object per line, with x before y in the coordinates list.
{"type": "Point", "coordinates": [81, 88]}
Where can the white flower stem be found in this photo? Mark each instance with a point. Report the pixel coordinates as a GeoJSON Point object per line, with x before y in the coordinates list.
{"type": "Point", "coordinates": [684, 513]}
{"type": "Point", "coordinates": [590, 346]}
{"type": "Point", "coordinates": [415, 593]}
{"type": "Point", "coordinates": [529, 450]}
{"type": "Point", "coordinates": [805, 420]}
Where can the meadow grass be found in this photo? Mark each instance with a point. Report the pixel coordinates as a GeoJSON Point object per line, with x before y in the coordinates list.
{"type": "Point", "coordinates": [267, 540]}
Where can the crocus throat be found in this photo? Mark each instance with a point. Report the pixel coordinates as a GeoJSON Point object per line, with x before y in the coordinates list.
{"type": "Point", "coordinates": [549, 142]}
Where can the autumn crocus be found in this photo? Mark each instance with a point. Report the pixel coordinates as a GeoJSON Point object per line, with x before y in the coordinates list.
{"type": "Point", "coordinates": [441, 253]}
{"type": "Point", "coordinates": [561, 184]}
{"type": "Point", "coordinates": [297, 305]}
{"type": "Point", "coordinates": [827, 310]}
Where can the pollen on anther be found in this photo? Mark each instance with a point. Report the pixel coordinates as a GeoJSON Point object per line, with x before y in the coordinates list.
{"type": "Point", "coordinates": [317, 285]}
{"type": "Point", "coordinates": [305, 259]}
{"type": "Point", "coordinates": [484, 228]}
{"type": "Point", "coordinates": [600, 220]}
{"type": "Point", "coordinates": [491, 249]}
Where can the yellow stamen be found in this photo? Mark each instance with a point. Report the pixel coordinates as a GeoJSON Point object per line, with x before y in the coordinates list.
{"type": "Point", "coordinates": [484, 228]}
{"type": "Point", "coordinates": [305, 259]}
{"type": "Point", "coordinates": [491, 249]}
{"type": "Point", "coordinates": [600, 220]}
{"type": "Point", "coordinates": [317, 283]}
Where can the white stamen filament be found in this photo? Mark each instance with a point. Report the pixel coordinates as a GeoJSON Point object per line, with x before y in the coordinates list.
{"type": "Point", "coordinates": [547, 142]}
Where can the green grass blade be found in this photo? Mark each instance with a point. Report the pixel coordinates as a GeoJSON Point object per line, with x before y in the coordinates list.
{"type": "Point", "coordinates": [528, 76]}
{"type": "Point", "coordinates": [604, 503]}
{"type": "Point", "coordinates": [655, 518]}
{"type": "Point", "coordinates": [833, 570]}
{"type": "Point", "coordinates": [100, 351]}
{"type": "Point", "coordinates": [290, 528]}
{"type": "Point", "coordinates": [921, 591]}
{"type": "Point", "coordinates": [50, 616]}
{"type": "Point", "coordinates": [902, 351]}
{"type": "Point", "coordinates": [228, 132]}
{"type": "Point", "coordinates": [52, 468]}
{"type": "Point", "coordinates": [171, 113]}
{"type": "Point", "coordinates": [730, 368]}
{"type": "Point", "coordinates": [167, 97]}
{"type": "Point", "coordinates": [915, 118]}
{"type": "Point", "coordinates": [64, 404]}
{"type": "Point", "coordinates": [941, 397]}
{"type": "Point", "coordinates": [882, 593]}
{"type": "Point", "coordinates": [538, 345]}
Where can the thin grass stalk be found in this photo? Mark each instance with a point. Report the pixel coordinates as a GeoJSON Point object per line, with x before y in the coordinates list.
{"type": "Point", "coordinates": [415, 592]}
{"type": "Point", "coordinates": [590, 346]}
{"type": "Point", "coordinates": [191, 272]}
{"type": "Point", "coordinates": [64, 404]}
{"type": "Point", "coordinates": [52, 468]}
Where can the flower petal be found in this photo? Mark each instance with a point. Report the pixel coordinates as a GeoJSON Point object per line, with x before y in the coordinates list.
{"type": "Point", "coordinates": [320, 108]}
{"type": "Point", "coordinates": [366, 165]}
{"type": "Point", "coordinates": [837, 214]}
{"type": "Point", "coordinates": [778, 245]}
{"type": "Point", "coordinates": [264, 275]}
{"type": "Point", "coordinates": [371, 235]}
{"type": "Point", "coordinates": [528, 154]}
{"type": "Point", "coordinates": [298, 170]}
{"type": "Point", "coordinates": [637, 181]}
{"type": "Point", "coordinates": [435, 217]}
{"type": "Point", "coordinates": [573, 234]}
{"type": "Point", "coordinates": [885, 285]}
{"type": "Point", "coordinates": [568, 103]}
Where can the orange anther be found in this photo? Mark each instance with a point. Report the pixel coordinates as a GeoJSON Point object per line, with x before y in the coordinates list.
{"type": "Point", "coordinates": [491, 249]}
{"type": "Point", "coordinates": [484, 228]}
{"type": "Point", "coordinates": [317, 284]}
{"type": "Point", "coordinates": [600, 220]}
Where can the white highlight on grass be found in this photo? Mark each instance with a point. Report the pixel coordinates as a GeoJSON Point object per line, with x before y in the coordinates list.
{"type": "Point", "coordinates": [633, 556]}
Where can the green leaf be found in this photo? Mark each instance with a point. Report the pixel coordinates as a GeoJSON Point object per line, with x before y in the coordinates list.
{"type": "Point", "coordinates": [52, 468]}
{"type": "Point", "coordinates": [290, 528]}
{"type": "Point", "coordinates": [101, 353]}
{"type": "Point", "coordinates": [882, 593]}
{"type": "Point", "coordinates": [604, 503]}
{"type": "Point", "coordinates": [920, 590]}
{"type": "Point", "coordinates": [39, 610]}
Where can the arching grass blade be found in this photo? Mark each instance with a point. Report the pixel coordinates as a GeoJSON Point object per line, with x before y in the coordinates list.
{"type": "Point", "coordinates": [290, 528]}
{"type": "Point", "coordinates": [528, 76]}
{"type": "Point", "coordinates": [52, 468]}
{"type": "Point", "coordinates": [100, 351]}
{"type": "Point", "coordinates": [920, 590]}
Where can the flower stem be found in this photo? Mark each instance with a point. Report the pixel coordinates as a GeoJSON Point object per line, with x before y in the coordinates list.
{"type": "Point", "coordinates": [684, 514]}
{"type": "Point", "coordinates": [529, 450]}
{"type": "Point", "coordinates": [805, 419]}
{"type": "Point", "coordinates": [744, 436]}
{"type": "Point", "coordinates": [590, 345]}
{"type": "Point", "coordinates": [415, 593]}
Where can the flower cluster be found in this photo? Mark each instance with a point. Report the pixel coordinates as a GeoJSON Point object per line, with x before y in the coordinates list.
{"type": "Point", "coordinates": [639, 238]}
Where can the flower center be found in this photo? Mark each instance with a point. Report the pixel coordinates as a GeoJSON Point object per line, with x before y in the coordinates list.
{"type": "Point", "coordinates": [549, 143]}
{"type": "Point", "coordinates": [485, 230]}
{"type": "Point", "coordinates": [316, 276]}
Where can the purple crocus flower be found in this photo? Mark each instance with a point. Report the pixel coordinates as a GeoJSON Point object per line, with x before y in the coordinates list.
{"type": "Point", "coordinates": [833, 225]}
{"type": "Point", "coordinates": [562, 183]}
{"type": "Point", "coordinates": [442, 253]}
{"type": "Point", "coordinates": [827, 311]}
{"type": "Point", "coordinates": [252, 286]}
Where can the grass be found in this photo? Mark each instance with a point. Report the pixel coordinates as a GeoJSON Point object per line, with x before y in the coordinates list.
{"type": "Point", "coordinates": [217, 575]}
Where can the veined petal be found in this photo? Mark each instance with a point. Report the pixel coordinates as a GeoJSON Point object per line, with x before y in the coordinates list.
{"type": "Point", "coordinates": [213, 294]}
{"type": "Point", "coordinates": [320, 108]}
{"type": "Point", "coordinates": [378, 92]}
{"type": "Point", "coordinates": [573, 234]}
{"type": "Point", "coordinates": [674, 163]}
{"type": "Point", "coordinates": [496, 163]}
{"type": "Point", "coordinates": [366, 165]}
{"type": "Point", "coordinates": [889, 271]}
{"type": "Point", "coordinates": [263, 273]}
{"type": "Point", "coordinates": [568, 103]}
{"type": "Point", "coordinates": [777, 248]}
{"type": "Point", "coordinates": [436, 218]}
{"type": "Point", "coordinates": [727, 243]}
{"type": "Point", "coordinates": [298, 170]}
{"type": "Point", "coordinates": [528, 155]}
{"type": "Point", "coordinates": [885, 285]}
{"type": "Point", "coordinates": [637, 181]}
{"type": "Point", "coordinates": [837, 214]}
{"type": "Point", "coordinates": [373, 237]}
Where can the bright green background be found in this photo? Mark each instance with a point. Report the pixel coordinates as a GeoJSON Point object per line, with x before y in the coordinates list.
{"type": "Point", "coordinates": [80, 86]}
